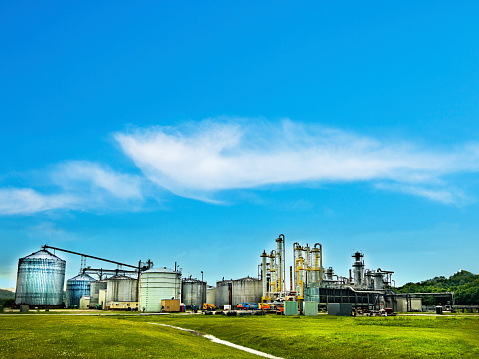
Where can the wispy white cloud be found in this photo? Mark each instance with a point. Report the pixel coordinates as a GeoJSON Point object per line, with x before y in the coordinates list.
{"type": "Point", "coordinates": [83, 186]}
{"type": "Point", "coordinates": [445, 194]}
{"type": "Point", "coordinates": [28, 201]}
{"type": "Point", "coordinates": [87, 176]}
{"type": "Point", "coordinates": [198, 160]}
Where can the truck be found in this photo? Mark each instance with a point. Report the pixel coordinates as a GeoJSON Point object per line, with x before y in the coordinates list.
{"type": "Point", "coordinates": [248, 306]}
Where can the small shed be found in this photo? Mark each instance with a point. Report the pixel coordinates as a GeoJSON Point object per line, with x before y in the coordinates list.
{"type": "Point", "coordinates": [84, 302]}
{"type": "Point", "coordinates": [170, 305]}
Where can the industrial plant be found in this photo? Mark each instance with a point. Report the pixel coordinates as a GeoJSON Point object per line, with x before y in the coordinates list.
{"type": "Point", "coordinates": [149, 289]}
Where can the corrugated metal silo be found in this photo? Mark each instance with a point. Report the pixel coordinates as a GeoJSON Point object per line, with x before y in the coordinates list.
{"type": "Point", "coordinates": [157, 284]}
{"type": "Point", "coordinates": [121, 289]}
{"type": "Point", "coordinates": [193, 292]}
{"type": "Point", "coordinates": [77, 287]}
{"type": "Point", "coordinates": [40, 280]}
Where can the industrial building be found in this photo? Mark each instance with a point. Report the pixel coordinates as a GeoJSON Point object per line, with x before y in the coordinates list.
{"type": "Point", "coordinates": [363, 289]}
{"type": "Point", "coordinates": [41, 280]}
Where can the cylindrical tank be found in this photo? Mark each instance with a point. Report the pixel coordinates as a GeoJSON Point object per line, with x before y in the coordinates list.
{"type": "Point", "coordinates": [329, 273]}
{"type": "Point", "coordinates": [40, 280]}
{"type": "Point", "coordinates": [121, 289]}
{"type": "Point", "coordinates": [193, 292]}
{"type": "Point", "coordinates": [211, 295]}
{"type": "Point", "coordinates": [378, 281]}
{"type": "Point", "coordinates": [157, 284]}
{"type": "Point", "coordinates": [95, 292]}
{"type": "Point", "coordinates": [234, 292]}
{"type": "Point", "coordinates": [223, 293]}
{"type": "Point", "coordinates": [247, 290]}
{"type": "Point", "coordinates": [77, 287]}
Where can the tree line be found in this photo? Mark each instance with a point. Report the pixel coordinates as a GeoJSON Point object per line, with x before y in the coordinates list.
{"type": "Point", "coordinates": [464, 284]}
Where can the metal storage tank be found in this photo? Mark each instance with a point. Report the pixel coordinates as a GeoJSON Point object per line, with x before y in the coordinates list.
{"type": "Point", "coordinates": [210, 295]}
{"type": "Point", "coordinates": [193, 292]}
{"type": "Point", "coordinates": [234, 292]}
{"type": "Point", "coordinates": [157, 284]}
{"type": "Point", "coordinates": [95, 288]}
{"type": "Point", "coordinates": [224, 293]}
{"type": "Point", "coordinates": [247, 290]}
{"type": "Point", "coordinates": [40, 280]}
{"type": "Point", "coordinates": [77, 287]}
{"type": "Point", "coordinates": [121, 289]}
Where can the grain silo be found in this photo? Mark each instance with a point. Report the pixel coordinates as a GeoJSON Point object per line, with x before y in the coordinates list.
{"type": "Point", "coordinates": [40, 280]}
{"type": "Point", "coordinates": [157, 284]}
{"type": "Point", "coordinates": [234, 292]}
{"type": "Point", "coordinates": [95, 288]}
{"type": "Point", "coordinates": [77, 287]}
{"type": "Point", "coordinates": [121, 288]}
{"type": "Point", "coordinates": [193, 292]}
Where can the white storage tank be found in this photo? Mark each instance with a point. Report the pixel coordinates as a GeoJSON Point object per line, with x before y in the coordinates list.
{"type": "Point", "coordinates": [157, 284]}
{"type": "Point", "coordinates": [121, 289]}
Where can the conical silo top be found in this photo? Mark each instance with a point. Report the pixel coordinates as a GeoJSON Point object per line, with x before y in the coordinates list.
{"type": "Point", "coordinates": [43, 254]}
{"type": "Point", "coordinates": [160, 270]}
{"type": "Point", "coordinates": [83, 277]}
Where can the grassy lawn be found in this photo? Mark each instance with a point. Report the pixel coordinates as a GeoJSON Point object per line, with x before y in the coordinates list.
{"type": "Point", "coordinates": [51, 336]}
{"type": "Point", "coordinates": [55, 336]}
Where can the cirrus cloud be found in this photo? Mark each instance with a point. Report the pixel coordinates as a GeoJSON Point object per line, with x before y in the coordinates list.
{"type": "Point", "coordinates": [198, 160]}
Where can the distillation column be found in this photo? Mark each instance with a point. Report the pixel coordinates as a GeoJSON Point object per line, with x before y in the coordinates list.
{"type": "Point", "coordinates": [358, 268]}
{"type": "Point", "coordinates": [280, 263]}
{"type": "Point", "coordinates": [264, 273]}
{"type": "Point", "coordinates": [316, 263]}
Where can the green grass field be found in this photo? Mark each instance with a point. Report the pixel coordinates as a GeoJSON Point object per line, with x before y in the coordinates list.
{"type": "Point", "coordinates": [126, 336]}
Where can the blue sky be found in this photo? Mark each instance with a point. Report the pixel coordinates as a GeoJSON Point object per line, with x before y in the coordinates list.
{"type": "Point", "coordinates": [198, 132]}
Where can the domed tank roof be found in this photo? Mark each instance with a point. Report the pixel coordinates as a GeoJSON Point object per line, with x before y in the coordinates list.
{"type": "Point", "coordinates": [43, 254]}
{"type": "Point", "coordinates": [160, 270]}
{"type": "Point", "coordinates": [120, 277]}
{"type": "Point", "coordinates": [82, 277]}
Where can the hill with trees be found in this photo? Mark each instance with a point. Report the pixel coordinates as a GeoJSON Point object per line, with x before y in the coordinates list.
{"type": "Point", "coordinates": [6, 298]}
{"type": "Point", "coordinates": [464, 284]}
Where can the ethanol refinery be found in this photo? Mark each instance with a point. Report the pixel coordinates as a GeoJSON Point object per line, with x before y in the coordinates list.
{"type": "Point", "coordinates": [312, 287]}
